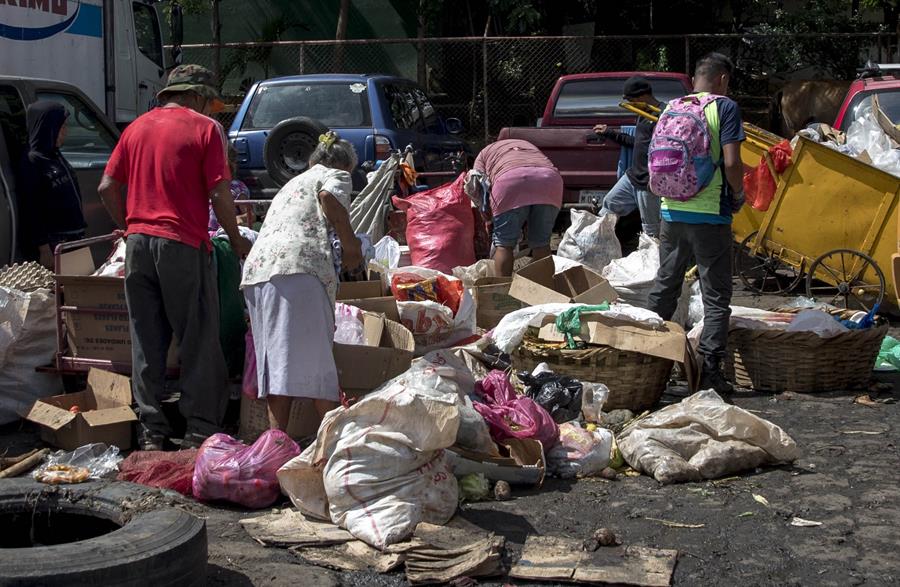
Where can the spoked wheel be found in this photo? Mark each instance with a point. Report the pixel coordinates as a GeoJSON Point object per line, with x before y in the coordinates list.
{"type": "Point", "coordinates": [858, 282]}
{"type": "Point", "coordinates": [764, 273]}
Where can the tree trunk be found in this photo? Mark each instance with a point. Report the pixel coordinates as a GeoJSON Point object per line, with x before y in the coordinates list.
{"type": "Point", "coordinates": [216, 30]}
{"type": "Point", "coordinates": [341, 34]}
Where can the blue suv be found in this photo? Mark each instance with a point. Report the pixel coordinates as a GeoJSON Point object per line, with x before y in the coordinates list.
{"type": "Point", "coordinates": [280, 120]}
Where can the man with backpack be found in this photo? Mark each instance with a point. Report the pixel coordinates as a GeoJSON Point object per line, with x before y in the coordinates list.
{"type": "Point", "coordinates": [631, 192]}
{"type": "Point", "coordinates": [695, 166]}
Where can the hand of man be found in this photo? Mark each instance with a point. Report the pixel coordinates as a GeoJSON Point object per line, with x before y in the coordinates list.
{"type": "Point", "coordinates": [351, 255]}
{"type": "Point", "coordinates": [737, 201]}
{"type": "Point", "coordinates": [46, 256]}
{"type": "Point", "coordinates": [600, 128]}
{"type": "Point", "coordinates": [241, 246]}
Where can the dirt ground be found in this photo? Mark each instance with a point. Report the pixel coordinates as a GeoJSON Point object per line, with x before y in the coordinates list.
{"type": "Point", "coordinates": [847, 479]}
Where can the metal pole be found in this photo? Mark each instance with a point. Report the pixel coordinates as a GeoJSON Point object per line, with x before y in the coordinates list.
{"type": "Point", "coordinates": [484, 82]}
{"type": "Point", "coordinates": [687, 55]}
{"type": "Point", "coordinates": [302, 59]}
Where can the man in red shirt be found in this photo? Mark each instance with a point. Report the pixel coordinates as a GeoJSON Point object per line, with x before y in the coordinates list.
{"type": "Point", "coordinates": [173, 162]}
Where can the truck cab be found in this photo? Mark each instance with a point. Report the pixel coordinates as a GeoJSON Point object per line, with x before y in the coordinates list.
{"type": "Point", "coordinates": [587, 162]}
{"type": "Point", "coordinates": [860, 95]}
{"type": "Point", "coordinates": [90, 142]}
{"type": "Point", "coordinates": [112, 50]}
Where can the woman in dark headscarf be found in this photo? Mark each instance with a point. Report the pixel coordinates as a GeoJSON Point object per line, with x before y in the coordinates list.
{"type": "Point", "coordinates": [50, 210]}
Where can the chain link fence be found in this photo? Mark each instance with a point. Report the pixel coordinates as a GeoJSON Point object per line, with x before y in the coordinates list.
{"type": "Point", "coordinates": [491, 83]}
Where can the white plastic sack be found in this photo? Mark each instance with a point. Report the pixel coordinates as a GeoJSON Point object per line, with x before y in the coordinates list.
{"type": "Point", "coordinates": [433, 325]}
{"type": "Point", "coordinates": [369, 209]}
{"type": "Point", "coordinates": [580, 452]}
{"type": "Point", "coordinates": [866, 135]}
{"type": "Point", "coordinates": [27, 341]}
{"type": "Point", "coordinates": [387, 254]}
{"type": "Point", "coordinates": [378, 468]}
{"type": "Point", "coordinates": [478, 270]}
{"type": "Point", "coordinates": [591, 240]}
{"type": "Point", "coordinates": [702, 437]}
{"type": "Point", "coordinates": [634, 276]}
{"type": "Point", "coordinates": [512, 328]}
{"type": "Point", "coordinates": [818, 322]}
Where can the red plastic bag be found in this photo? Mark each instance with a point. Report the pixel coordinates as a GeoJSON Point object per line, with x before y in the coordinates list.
{"type": "Point", "coordinates": [229, 470]}
{"type": "Point", "coordinates": [759, 185]}
{"type": "Point", "coordinates": [249, 383]}
{"type": "Point", "coordinates": [164, 470]}
{"type": "Point", "coordinates": [440, 228]}
{"type": "Point", "coordinates": [512, 416]}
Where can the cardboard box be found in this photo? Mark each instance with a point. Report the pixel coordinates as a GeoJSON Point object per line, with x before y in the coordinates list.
{"type": "Point", "coordinates": [369, 296]}
{"type": "Point", "coordinates": [103, 335]}
{"type": "Point", "coordinates": [303, 421]}
{"type": "Point", "coordinates": [538, 283]}
{"type": "Point", "coordinates": [388, 352]}
{"type": "Point", "coordinates": [669, 342]}
{"type": "Point", "coordinates": [525, 464]}
{"type": "Point", "coordinates": [492, 301]}
{"type": "Point", "coordinates": [105, 414]}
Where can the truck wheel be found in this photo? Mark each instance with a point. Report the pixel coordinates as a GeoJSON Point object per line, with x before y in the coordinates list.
{"type": "Point", "coordinates": [289, 146]}
{"type": "Point", "coordinates": [87, 535]}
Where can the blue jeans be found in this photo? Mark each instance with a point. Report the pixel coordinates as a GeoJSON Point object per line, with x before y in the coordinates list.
{"type": "Point", "coordinates": [540, 219]}
{"type": "Point", "coordinates": [624, 198]}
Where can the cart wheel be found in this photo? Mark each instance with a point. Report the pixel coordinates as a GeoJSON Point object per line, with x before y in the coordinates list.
{"type": "Point", "coordinates": [858, 280]}
{"type": "Point", "coordinates": [764, 273]}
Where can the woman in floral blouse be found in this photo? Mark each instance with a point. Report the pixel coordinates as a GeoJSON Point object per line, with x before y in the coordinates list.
{"type": "Point", "coordinates": [290, 282]}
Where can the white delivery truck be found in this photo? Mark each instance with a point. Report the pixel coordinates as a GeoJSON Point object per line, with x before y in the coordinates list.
{"type": "Point", "coordinates": [112, 50]}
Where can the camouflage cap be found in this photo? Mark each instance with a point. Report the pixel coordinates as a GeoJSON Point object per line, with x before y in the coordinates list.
{"type": "Point", "coordinates": [191, 78]}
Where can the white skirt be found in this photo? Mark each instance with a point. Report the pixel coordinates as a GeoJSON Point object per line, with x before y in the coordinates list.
{"type": "Point", "coordinates": [292, 320]}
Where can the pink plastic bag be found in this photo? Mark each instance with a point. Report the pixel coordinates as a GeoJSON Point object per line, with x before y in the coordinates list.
{"type": "Point", "coordinates": [249, 383]}
{"type": "Point", "coordinates": [440, 228]}
{"type": "Point", "coordinates": [512, 416]}
{"type": "Point", "coordinates": [229, 470]}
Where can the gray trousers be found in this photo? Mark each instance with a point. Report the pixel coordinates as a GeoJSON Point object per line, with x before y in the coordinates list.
{"type": "Point", "coordinates": [710, 246]}
{"type": "Point", "coordinates": [171, 290]}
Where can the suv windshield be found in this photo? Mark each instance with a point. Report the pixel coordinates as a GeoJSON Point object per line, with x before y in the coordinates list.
{"type": "Point", "coordinates": [336, 105]}
{"type": "Point", "coordinates": [601, 97]}
{"type": "Point", "coordinates": [888, 100]}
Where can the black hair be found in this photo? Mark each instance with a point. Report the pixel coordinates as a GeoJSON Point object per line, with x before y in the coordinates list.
{"type": "Point", "coordinates": [713, 65]}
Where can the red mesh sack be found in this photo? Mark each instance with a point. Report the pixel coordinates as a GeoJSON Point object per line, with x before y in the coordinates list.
{"type": "Point", "coordinates": [163, 470]}
{"type": "Point", "coordinates": [440, 228]}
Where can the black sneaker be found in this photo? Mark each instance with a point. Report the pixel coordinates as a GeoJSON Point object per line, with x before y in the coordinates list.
{"type": "Point", "coordinates": [714, 379]}
{"type": "Point", "coordinates": [151, 442]}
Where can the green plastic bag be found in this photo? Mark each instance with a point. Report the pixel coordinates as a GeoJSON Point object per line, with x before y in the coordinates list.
{"type": "Point", "coordinates": [889, 355]}
{"type": "Point", "coordinates": [569, 322]}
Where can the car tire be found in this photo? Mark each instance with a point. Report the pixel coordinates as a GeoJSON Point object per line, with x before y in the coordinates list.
{"type": "Point", "coordinates": [288, 147]}
{"type": "Point", "coordinates": [163, 546]}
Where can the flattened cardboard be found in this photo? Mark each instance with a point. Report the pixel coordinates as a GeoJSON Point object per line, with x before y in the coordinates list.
{"type": "Point", "coordinates": [361, 369]}
{"type": "Point", "coordinates": [668, 342]}
{"type": "Point", "coordinates": [492, 301]}
{"type": "Point", "coordinates": [525, 466]}
{"type": "Point", "coordinates": [538, 283]}
{"type": "Point", "coordinates": [102, 417]}
{"type": "Point", "coordinates": [386, 305]}
{"type": "Point", "coordinates": [552, 559]}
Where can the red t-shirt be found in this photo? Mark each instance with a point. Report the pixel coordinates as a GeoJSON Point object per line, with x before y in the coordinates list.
{"type": "Point", "coordinates": [170, 159]}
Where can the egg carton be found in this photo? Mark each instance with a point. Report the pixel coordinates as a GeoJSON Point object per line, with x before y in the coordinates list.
{"type": "Point", "coordinates": [26, 277]}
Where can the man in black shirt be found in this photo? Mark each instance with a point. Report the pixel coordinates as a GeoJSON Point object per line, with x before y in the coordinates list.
{"type": "Point", "coordinates": [631, 191]}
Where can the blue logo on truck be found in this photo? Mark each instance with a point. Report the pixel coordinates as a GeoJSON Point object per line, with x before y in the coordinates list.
{"type": "Point", "coordinates": [86, 19]}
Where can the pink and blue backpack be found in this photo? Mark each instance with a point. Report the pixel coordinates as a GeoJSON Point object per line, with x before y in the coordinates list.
{"type": "Point", "coordinates": [679, 158]}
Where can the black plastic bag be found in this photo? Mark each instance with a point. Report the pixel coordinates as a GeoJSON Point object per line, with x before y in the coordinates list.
{"type": "Point", "coordinates": [560, 395]}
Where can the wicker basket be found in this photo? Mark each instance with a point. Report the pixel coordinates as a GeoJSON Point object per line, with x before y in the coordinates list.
{"type": "Point", "coordinates": [776, 361]}
{"type": "Point", "coordinates": [635, 381]}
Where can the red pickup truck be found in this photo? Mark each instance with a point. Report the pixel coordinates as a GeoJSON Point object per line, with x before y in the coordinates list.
{"type": "Point", "coordinates": [587, 161]}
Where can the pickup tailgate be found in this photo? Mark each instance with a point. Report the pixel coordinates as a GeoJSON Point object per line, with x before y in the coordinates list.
{"type": "Point", "coordinates": [586, 161]}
